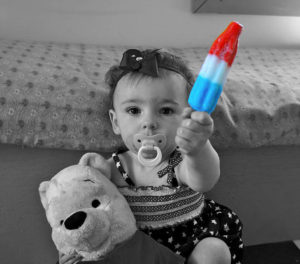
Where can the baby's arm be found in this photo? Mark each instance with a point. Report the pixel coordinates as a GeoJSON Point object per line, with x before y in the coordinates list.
{"type": "Point", "coordinates": [200, 168]}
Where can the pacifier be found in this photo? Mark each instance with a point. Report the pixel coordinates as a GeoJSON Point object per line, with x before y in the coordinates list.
{"type": "Point", "coordinates": [149, 153]}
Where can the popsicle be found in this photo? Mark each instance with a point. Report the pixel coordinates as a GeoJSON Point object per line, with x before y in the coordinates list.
{"type": "Point", "coordinates": [213, 73]}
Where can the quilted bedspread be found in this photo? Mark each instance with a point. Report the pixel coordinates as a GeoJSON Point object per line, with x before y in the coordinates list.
{"type": "Point", "coordinates": [53, 95]}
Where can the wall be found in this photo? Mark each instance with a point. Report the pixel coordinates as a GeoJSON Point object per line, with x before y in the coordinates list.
{"type": "Point", "coordinates": [136, 22]}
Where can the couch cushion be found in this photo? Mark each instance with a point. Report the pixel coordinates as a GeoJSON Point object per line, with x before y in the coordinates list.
{"type": "Point", "coordinates": [53, 95]}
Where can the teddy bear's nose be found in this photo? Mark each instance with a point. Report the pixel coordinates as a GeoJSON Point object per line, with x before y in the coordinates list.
{"type": "Point", "coordinates": [75, 220]}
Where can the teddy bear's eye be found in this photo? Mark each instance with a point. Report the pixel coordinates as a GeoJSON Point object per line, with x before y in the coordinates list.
{"type": "Point", "coordinates": [95, 203]}
{"type": "Point", "coordinates": [61, 222]}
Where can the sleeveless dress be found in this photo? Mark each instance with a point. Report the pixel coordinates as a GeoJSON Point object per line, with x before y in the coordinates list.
{"type": "Point", "coordinates": [178, 217]}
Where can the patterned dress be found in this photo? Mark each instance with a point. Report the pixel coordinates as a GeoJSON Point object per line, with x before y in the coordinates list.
{"type": "Point", "coordinates": [178, 217]}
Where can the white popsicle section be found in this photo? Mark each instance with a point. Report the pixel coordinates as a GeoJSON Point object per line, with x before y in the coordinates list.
{"type": "Point", "coordinates": [214, 69]}
{"type": "Point", "coordinates": [209, 84]}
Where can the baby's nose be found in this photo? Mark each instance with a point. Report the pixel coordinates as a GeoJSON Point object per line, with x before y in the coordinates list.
{"type": "Point", "coordinates": [149, 125]}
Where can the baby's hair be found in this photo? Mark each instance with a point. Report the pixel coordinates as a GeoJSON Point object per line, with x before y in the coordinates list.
{"type": "Point", "coordinates": [168, 64]}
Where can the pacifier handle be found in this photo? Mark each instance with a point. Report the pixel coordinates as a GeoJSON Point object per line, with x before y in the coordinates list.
{"type": "Point", "coordinates": [150, 162]}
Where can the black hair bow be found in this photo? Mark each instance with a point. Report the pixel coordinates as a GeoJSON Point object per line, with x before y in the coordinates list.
{"type": "Point", "coordinates": [137, 61]}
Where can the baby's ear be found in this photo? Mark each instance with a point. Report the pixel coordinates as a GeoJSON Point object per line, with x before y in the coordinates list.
{"type": "Point", "coordinates": [42, 190]}
{"type": "Point", "coordinates": [96, 161]}
{"type": "Point", "coordinates": [114, 122]}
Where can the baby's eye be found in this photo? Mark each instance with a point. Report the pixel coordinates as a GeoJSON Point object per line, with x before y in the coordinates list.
{"type": "Point", "coordinates": [133, 110]}
{"type": "Point", "coordinates": [166, 111]}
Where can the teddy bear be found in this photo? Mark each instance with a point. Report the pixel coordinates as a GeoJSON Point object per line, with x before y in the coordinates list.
{"type": "Point", "coordinates": [89, 216]}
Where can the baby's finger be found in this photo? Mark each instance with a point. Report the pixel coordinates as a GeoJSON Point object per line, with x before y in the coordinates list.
{"type": "Point", "coordinates": [202, 117]}
{"type": "Point", "coordinates": [187, 134]}
{"type": "Point", "coordinates": [186, 113]}
{"type": "Point", "coordinates": [78, 260]}
{"type": "Point", "coordinates": [74, 260]}
{"type": "Point", "coordinates": [191, 124]}
{"type": "Point", "coordinates": [70, 259]}
{"type": "Point", "coordinates": [184, 145]}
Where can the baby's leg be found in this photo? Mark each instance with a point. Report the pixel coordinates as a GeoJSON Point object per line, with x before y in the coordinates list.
{"type": "Point", "coordinates": [210, 250]}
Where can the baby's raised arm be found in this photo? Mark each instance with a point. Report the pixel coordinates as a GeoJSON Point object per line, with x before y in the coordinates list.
{"type": "Point", "coordinates": [200, 168]}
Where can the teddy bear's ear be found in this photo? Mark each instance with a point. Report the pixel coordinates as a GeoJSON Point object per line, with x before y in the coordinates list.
{"type": "Point", "coordinates": [96, 161]}
{"type": "Point", "coordinates": [42, 190]}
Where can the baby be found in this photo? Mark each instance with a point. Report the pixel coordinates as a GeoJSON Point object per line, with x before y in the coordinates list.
{"type": "Point", "coordinates": [169, 159]}
{"type": "Point", "coordinates": [168, 163]}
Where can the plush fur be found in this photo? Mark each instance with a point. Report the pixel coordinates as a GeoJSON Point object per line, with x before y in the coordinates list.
{"type": "Point", "coordinates": [87, 213]}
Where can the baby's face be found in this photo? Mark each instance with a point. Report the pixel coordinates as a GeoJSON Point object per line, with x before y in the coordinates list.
{"type": "Point", "coordinates": [149, 108]}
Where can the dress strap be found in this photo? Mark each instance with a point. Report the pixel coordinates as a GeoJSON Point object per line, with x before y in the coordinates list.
{"type": "Point", "coordinates": [174, 160]}
{"type": "Point", "coordinates": [120, 167]}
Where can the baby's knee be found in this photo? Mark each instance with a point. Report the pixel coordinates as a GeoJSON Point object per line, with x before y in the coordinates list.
{"type": "Point", "coordinates": [210, 250]}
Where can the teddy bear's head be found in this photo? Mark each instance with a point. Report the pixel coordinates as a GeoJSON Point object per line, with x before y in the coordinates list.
{"type": "Point", "coordinates": [87, 213]}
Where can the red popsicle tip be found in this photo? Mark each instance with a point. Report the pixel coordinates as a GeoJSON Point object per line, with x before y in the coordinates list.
{"type": "Point", "coordinates": [225, 46]}
{"type": "Point", "coordinates": [234, 28]}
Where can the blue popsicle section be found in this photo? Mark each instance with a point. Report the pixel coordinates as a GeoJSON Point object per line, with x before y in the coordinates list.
{"type": "Point", "coordinates": [209, 84]}
{"type": "Point", "coordinates": [204, 95]}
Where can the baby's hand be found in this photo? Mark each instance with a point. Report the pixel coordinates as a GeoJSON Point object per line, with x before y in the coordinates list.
{"type": "Point", "coordinates": [69, 259]}
{"type": "Point", "coordinates": [194, 131]}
